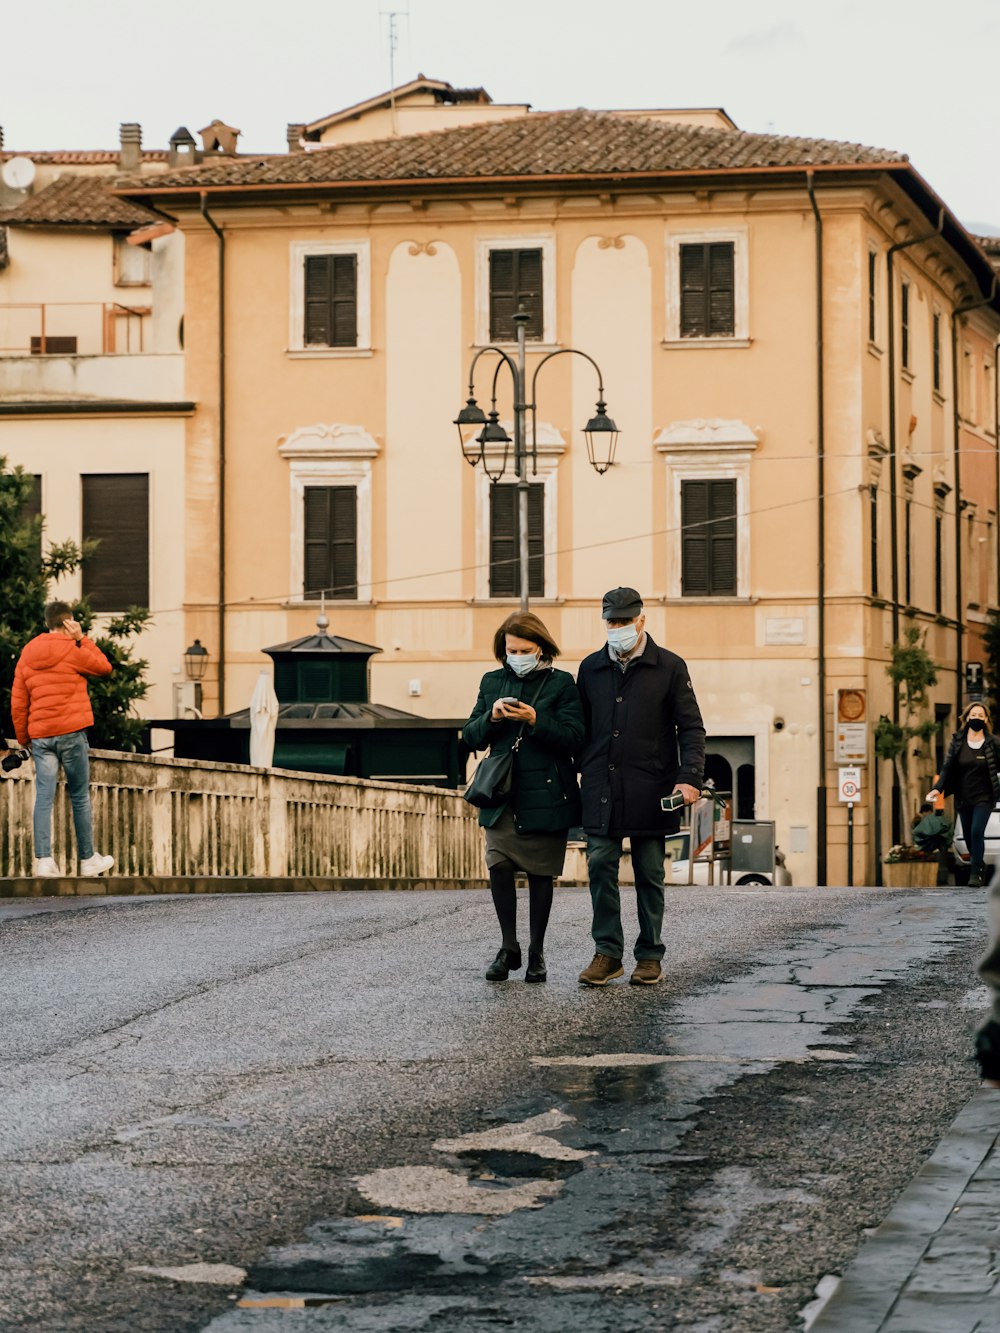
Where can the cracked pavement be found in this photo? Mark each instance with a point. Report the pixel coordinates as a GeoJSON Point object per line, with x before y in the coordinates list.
{"type": "Point", "coordinates": [320, 1090]}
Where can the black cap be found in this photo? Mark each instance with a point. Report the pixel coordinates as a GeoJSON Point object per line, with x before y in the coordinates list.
{"type": "Point", "coordinates": [621, 604]}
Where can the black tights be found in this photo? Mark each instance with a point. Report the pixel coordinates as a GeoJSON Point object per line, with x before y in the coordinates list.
{"type": "Point", "coordinates": [505, 902]}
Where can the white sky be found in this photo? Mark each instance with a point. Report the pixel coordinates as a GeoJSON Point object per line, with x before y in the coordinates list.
{"type": "Point", "coordinates": [915, 75]}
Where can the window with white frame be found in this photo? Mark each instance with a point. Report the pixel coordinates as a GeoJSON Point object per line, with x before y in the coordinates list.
{"type": "Point", "coordinates": [512, 271]}
{"type": "Point", "coordinates": [708, 507]}
{"type": "Point", "coordinates": [497, 525]}
{"type": "Point", "coordinates": [330, 515]}
{"type": "Point", "coordinates": [708, 288]}
{"type": "Point", "coordinates": [330, 298]}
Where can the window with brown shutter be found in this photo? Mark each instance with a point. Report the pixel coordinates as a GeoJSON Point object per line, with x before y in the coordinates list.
{"type": "Point", "coordinates": [52, 345]}
{"type": "Point", "coordinates": [708, 290]}
{"type": "Point", "coordinates": [905, 326]}
{"type": "Point", "coordinates": [515, 280]}
{"type": "Point", "coordinates": [116, 513]}
{"type": "Point", "coordinates": [505, 564]}
{"type": "Point", "coordinates": [936, 349]}
{"type": "Point", "coordinates": [331, 542]}
{"type": "Point", "coordinates": [708, 538]}
{"type": "Point", "coordinates": [872, 290]}
{"type": "Point", "coordinates": [331, 301]}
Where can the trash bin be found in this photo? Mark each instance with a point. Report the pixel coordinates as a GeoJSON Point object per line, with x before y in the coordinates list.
{"type": "Point", "coordinates": [752, 847]}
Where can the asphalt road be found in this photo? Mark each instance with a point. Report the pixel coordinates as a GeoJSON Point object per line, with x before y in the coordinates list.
{"type": "Point", "coordinates": [240, 1081]}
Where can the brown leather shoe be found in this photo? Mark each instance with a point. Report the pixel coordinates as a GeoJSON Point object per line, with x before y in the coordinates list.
{"type": "Point", "coordinates": [602, 970]}
{"type": "Point", "coordinates": [647, 972]}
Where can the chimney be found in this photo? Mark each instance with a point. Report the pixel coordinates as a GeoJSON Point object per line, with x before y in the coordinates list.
{"type": "Point", "coordinates": [294, 135]}
{"type": "Point", "coordinates": [130, 153]}
{"type": "Point", "coordinates": [183, 149]}
{"type": "Point", "coordinates": [219, 138]}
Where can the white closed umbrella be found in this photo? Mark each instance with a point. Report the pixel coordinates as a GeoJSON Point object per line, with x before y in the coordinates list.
{"type": "Point", "coordinates": [263, 722]}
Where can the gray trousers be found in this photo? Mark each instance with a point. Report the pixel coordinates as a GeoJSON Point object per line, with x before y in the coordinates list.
{"type": "Point", "coordinates": [603, 857]}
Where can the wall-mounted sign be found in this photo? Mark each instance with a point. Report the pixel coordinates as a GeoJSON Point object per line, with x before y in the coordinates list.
{"type": "Point", "coordinates": [784, 629]}
{"type": "Point", "coordinates": [850, 726]}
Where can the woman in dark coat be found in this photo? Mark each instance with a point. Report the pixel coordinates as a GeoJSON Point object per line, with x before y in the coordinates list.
{"type": "Point", "coordinates": [971, 773]}
{"type": "Point", "coordinates": [527, 697]}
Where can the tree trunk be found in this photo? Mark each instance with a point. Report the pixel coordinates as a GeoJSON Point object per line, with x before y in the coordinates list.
{"type": "Point", "coordinates": [902, 778]}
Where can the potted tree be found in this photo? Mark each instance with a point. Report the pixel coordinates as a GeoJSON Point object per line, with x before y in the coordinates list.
{"type": "Point", "coordinates": [912, 672]}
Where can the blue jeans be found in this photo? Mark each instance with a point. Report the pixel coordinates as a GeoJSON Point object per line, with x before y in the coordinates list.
{"type": "Point", "coordinates": [974, 820]}
{"type": "Point", "coordinates": [603, 857]}
{"type": "Point", "coordinates": [73, 752]}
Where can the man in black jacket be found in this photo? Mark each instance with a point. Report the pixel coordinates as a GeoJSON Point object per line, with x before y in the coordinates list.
{"type": "Point", "coordinates": [644, 739]}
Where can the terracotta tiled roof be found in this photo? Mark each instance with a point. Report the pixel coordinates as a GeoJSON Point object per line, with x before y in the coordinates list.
{"type": "Point", "coordinates": [84, 156]}
{"type": "Point", "coordinates": [588, 144]}
{"type": "Point", "coordinates": [77, 201]}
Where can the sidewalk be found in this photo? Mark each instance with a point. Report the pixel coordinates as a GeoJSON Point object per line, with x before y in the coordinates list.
{"type": "Point", "coordinates": [933, 1266]}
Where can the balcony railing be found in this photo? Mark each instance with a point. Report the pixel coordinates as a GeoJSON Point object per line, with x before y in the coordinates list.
{"type": "Point", "coordinates": [72, 328]}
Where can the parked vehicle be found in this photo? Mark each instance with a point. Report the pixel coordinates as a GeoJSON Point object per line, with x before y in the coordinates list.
{"type": "Point", "coordinates": [680, 843]}
{"type": "Point", "coordinates": [992, 856]}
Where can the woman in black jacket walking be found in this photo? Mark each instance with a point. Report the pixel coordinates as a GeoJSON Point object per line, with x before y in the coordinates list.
{"type": "Point", "coordinates": [971, 773]}
{"type": "Point", "coordinates": [529, 702]}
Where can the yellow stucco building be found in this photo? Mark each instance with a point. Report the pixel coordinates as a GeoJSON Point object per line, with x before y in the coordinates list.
{"type": "Point", "coordinates": [781, 421]}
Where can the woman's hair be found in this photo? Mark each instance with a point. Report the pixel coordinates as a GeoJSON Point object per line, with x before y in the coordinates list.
{"type": "Point", "coordinates": [963, 720]}
{"type": "Point", "coordinates": [524, 625]}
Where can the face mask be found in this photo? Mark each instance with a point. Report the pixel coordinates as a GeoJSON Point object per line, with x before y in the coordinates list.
{"type": "Point", "coordinates": [623, 638]}
{"type": "Point", "coordinates": [522, 663]}
{"type": "Point", "coordinates": [976, 724]}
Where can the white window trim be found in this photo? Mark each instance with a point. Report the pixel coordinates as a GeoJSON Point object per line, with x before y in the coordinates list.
{"type": "Point", "coordinates": [298, 252]}
{"type": "Point", "coordinates": [740, 238]}
{"type": "Point", "coordinates": [704, 451]}
{"type": "Point", "coordinates": [551, 447]}
{"type": "Point", "coordinates": [547, 244]}
{"type": "Point", "coordinates": [329, 455]}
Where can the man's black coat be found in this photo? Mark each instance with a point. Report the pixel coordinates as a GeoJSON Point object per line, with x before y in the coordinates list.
{"type": "Point", "coordinates": [644, 733]}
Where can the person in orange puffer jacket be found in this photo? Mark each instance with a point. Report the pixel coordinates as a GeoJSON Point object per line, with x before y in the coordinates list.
{"type": "Point", "coordinates": [51, 711]}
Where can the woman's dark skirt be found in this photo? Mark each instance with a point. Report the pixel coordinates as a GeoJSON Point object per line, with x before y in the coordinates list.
{"type": "Point", "coordinates": [532, 853]}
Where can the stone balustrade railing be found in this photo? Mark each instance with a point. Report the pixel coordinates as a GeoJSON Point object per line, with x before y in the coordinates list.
{"type": "Point", "coordinates": [178, 817]}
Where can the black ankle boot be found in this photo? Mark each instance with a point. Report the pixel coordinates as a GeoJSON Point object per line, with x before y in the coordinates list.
{"type": "Point", "coordinates": [506, 961]}
{"type": "Point", "coordinates": [535, 970]}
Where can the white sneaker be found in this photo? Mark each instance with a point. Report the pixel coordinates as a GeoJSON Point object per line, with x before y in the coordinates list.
{"type": "Point", "coordinates": [46, 868]}
{"type": "Point", "coordinates": [96, 865]}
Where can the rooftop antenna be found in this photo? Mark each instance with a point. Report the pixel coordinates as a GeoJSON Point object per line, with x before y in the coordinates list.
{"type": "Point", "coordinates": [393, 15]}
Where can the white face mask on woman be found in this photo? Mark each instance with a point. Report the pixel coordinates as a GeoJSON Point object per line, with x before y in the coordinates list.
{"type": "Point", "coordinates": [623, 638]}
{"type": "Point", "coordinates": [522, 663]}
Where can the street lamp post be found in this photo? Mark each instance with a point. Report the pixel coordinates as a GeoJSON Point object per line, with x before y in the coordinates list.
{"type": "Point", "coordinates": [480, 435]}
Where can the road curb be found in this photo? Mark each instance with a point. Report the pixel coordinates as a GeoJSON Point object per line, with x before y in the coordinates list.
{"type": "Point", "coordinates": [128, 885]}
{"type": "Point", "coordinates": [874, 1283]}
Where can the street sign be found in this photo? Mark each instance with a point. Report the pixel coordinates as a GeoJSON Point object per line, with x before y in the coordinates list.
{"type": "Point", "coordinates": [850, 726]}
{"type": "Point", "coordinates": [974, 680]}
{"type": "Point", "coordinates": [850, 785]}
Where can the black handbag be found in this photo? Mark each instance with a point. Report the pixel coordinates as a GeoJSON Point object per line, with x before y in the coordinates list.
{"type": "Point", "coordinates": [494, 776]}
